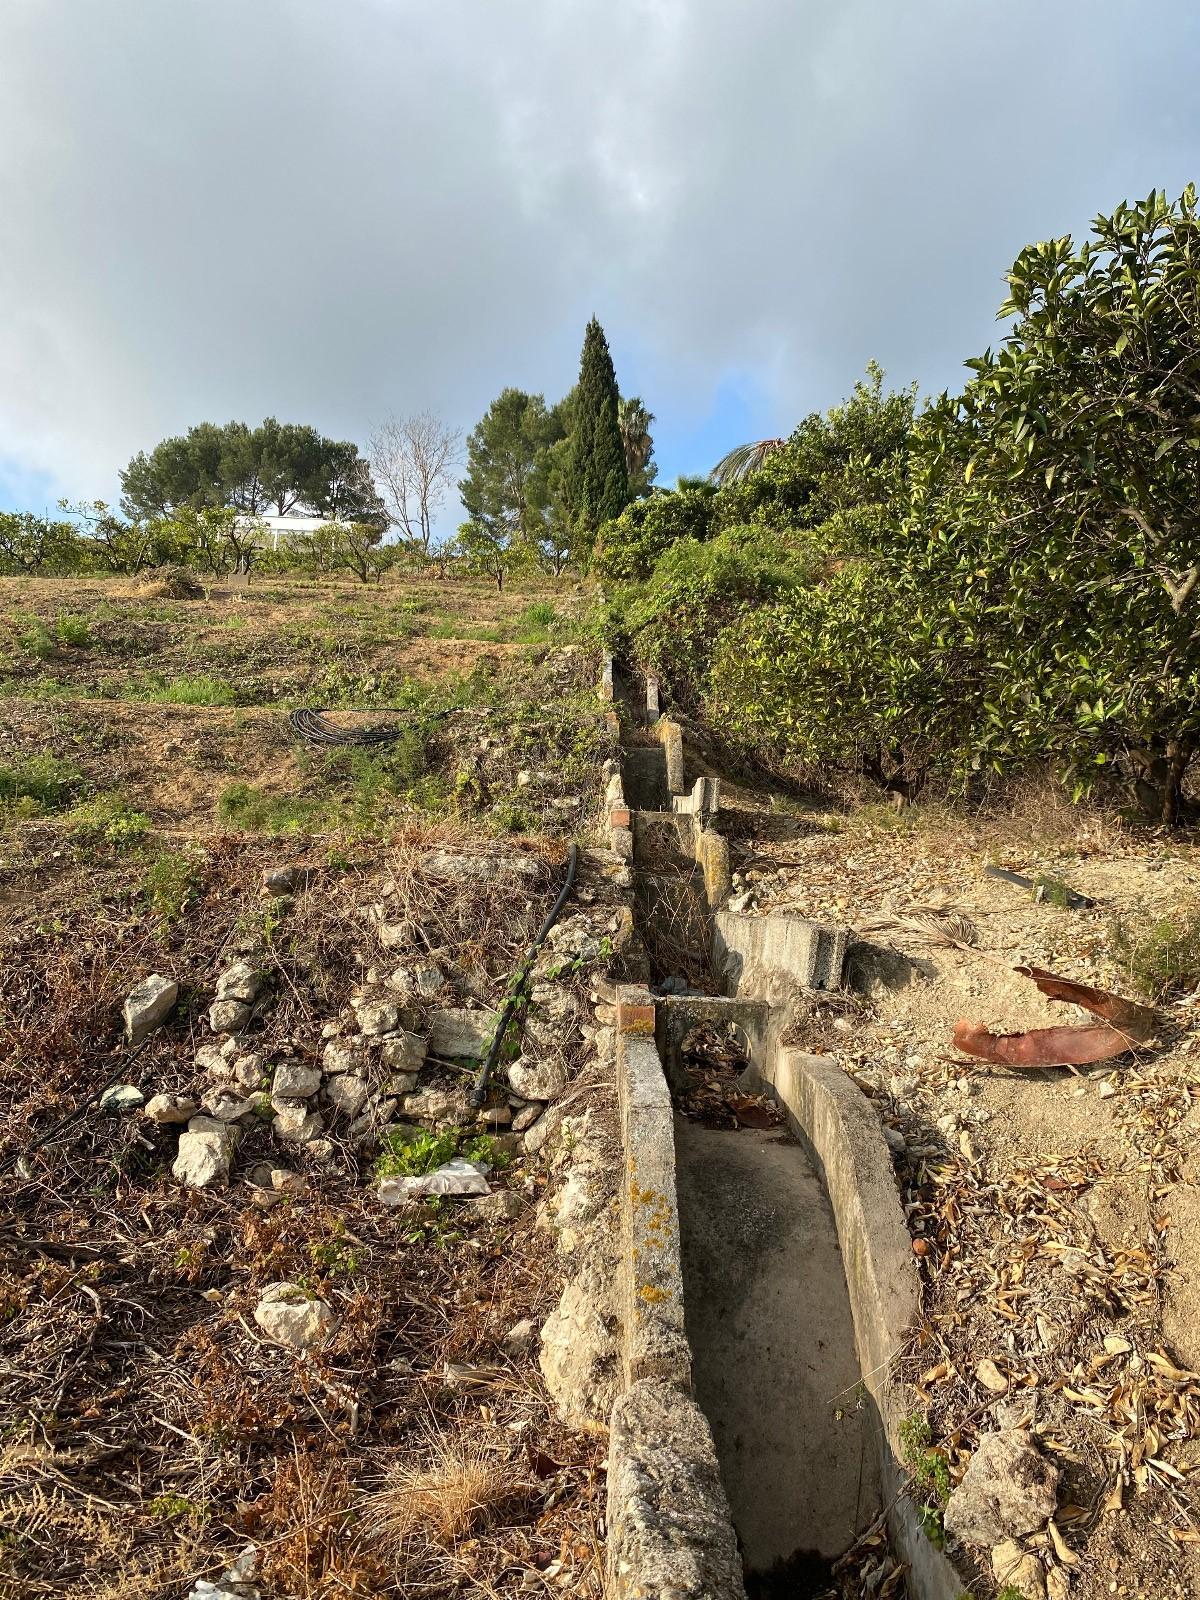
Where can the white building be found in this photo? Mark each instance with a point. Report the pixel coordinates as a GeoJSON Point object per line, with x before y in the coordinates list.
{"type": "Point", "coordinates": [285, 529]}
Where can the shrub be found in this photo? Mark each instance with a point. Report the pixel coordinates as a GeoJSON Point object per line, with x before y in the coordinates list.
{"type": "Point", "coordinates": [628, 546]}
{"type": "Point", "coordinates": [697, 589]}
{"type": "Point", "coordinates": [1055, 500]}
{"type": "Point", "coordinates": [846, 459]}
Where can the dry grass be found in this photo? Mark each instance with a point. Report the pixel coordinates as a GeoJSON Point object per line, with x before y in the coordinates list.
{"type": "Point", "coordinates": [461, 1487]}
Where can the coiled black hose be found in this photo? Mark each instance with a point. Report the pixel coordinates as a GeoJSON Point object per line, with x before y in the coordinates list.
{"type": "Point", "coordinates": [311, 725]}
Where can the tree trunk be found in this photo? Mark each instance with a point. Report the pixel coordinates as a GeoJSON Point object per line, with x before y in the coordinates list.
{"type": "Point", "coordinates": [1158, 780]}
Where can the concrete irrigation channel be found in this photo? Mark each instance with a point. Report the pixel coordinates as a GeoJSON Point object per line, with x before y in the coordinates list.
{"type": "Point", "coordinates": [789, 1253]}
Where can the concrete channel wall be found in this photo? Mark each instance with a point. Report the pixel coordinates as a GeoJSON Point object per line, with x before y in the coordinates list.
{"type": "Point", "coordinates": [841, 1129]}
{"type": "Point", "coordinates": [670, 1534]}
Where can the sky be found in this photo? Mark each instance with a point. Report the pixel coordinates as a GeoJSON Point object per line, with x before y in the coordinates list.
{"type": "Point", "coordinates": [328, 210]}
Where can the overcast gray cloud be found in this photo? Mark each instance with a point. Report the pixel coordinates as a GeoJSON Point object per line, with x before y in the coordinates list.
{"type": "Point", "coordinates": [325, 209]}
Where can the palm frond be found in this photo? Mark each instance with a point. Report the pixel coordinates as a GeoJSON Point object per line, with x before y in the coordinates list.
{"type": "Point", "coordinates": [747, 458]}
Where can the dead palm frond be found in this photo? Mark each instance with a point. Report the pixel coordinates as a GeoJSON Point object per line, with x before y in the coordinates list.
{"type": "Point", "coordinates": [747, 458]}
{"type": "Point", "coordinates": [916, 925]}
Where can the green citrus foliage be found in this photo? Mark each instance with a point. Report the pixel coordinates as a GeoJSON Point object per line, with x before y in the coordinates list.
{"type": "Point", "coordinates": [629, 546]}
{"type": "Point", "coordinates": [1008, 579]}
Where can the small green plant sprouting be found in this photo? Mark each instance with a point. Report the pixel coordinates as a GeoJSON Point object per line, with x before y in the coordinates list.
{"type": "Point", "coordinates": [509, 817]}
{"type": "Point", "coordinates": [72, 631]}
{"type": "Point", "coordinates": [1051, 891]}
{"type": "Point", "coordinates": [337, 1257]}
{"type": "Point", "coordinates": [1162, 959]}
{"type": "Point", "coordinates": [42, 641]}
{"type": "Point", "coordinates": [933, 1525]}
{"type": "Point", "coordinates": [406, 1156]}
{"type": "Point", "coordinates": [171, 882]}
{"type": "Point", "coordinates": [37, 640]}
{"type": "Point", "coordinates": [247, 807]}
{"type": "Point", "coordinates": [39, 784]}
{"type": "Point", "coordinates": [195, 689]}
{"type": "Point", "coordinates": [177, 1507]}
{"type": "Point", "coordinates": [930, 1475]}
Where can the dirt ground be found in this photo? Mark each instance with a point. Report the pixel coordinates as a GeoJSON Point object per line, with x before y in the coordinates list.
{"type": "Point", "coordinates": [1055, 1213]}
{"type": "Point", "coordinates": [150, 1431]}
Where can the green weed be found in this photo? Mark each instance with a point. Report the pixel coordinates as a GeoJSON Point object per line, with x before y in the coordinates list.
{"type": "Point", "coordinates": [38, 785]}
{"type": "Point", "coordinates": [1051, 891]}
{"type": "Point", "coordinates": [170, 883]}
{"type": "Point", "coordinates": [195, 689]}
{"type": "Point", "coordinates": [37, 640]}
{"type": "Point", "coordinates": [407, 1155]}
{"type": "Point", "coordinates": [42, 641]}
{"type": "Point", "coordinates": [176, 1508]}
{"type": "Point", "coordinates": [930, 1474]}
{"type": "Point", "coordinates": [1162, 959]}
{"type": "Point", "coordinates": [253, 809]}
{"type": "Point", "coordinates": [109, 819]}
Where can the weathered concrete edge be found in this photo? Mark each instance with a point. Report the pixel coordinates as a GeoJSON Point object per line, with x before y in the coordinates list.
{"type": "Point", "coordinates": [842, 1130]}
{"type": "Point", "coordinates": [670, 735]}
{"type": "Point", "coordinates": [670, 1532]}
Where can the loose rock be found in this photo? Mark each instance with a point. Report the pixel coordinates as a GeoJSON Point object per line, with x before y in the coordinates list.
{"type": "Point", "coordinates": [437, 1105]}
{"type": "Point", "coordinates": [1012, 1568]}
{"type": "Point", "coordinates": [167, 1108]}
{"type": "Point", "coordinates": [289, 1316]}
{"type": "Point", "coordinates": [1008, 1489]}
{"type": "Point", "coordinates": [121, 1097]}
{"type": "Point", "coordinates": [293, 1080]}
{"type": "Point", "coordinates": [502, 1206]}
{"type": "Point", "coordinates": [242, 981]}
{"type": "Point", "coordinates": [376, 1017]}
{"type": "Point", "coordinates": [341, 1057]}
{"type": "Point", "coordinates": [228, 1016]}
{"type": "Point", "coordinates": [537, 1081]}
{"type": "Point", "coordinates": [205, 1153]}
{"type": "Point", "coordinates": [521, 1337]}
{"type": "Point", "coordinates": [991, 1377]}
{"type": "Point", "coordinates": [458, 1032]}
{"type": "Point", "coordinates": [295, 1122]}
{"type": "Point", "coordinates": [148, 1005]}
{"type": "Point", "coordinates": [404, 1052]}
{"type": "Point", "coordinates": [347, 1093]}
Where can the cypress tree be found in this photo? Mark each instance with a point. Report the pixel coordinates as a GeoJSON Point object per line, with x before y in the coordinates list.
{"type": "Point", "coordinates": [599, 479]}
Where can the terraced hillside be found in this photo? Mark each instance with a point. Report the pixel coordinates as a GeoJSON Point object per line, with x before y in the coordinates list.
{"type": "Point", "coordinates": [232, 1320]}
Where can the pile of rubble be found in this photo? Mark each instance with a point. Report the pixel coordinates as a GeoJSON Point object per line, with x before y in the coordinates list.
{"type": "Point", "coordinates": [393, 1062]}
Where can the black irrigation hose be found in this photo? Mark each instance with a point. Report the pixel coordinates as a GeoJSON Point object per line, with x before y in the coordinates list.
{"type": "Point", "coordinates": [516, 984]}
{"type": "Point", "coordinates": [310, 724]}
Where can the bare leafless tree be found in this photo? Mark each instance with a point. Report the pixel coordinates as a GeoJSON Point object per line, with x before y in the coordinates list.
{"type": "Point", "coordinates": [414, 460]}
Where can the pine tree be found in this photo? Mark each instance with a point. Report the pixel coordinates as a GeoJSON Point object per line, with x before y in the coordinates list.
{"type": "Point", "coordinates": [598, 480]}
